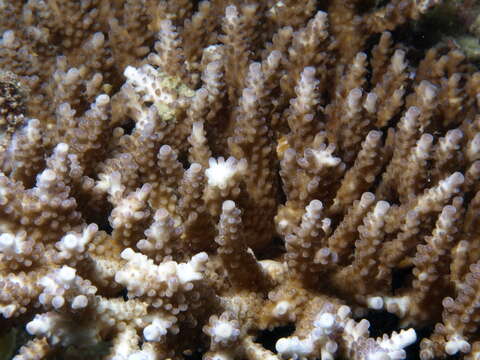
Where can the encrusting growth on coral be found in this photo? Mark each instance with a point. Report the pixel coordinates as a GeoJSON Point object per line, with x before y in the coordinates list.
{"type": "Point", "coordinates": [179, 179]}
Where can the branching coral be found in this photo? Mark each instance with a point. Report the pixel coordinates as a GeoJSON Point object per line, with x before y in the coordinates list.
{"type": "Point", "coordinates": [177, 179]}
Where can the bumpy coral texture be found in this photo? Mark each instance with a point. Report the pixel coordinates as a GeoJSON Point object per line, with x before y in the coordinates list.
{"type": "Point", "coordinates": [179, 179]}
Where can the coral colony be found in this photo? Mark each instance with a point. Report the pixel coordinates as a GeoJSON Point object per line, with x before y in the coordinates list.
{"type": "Point", "coordinates": [181, 180]}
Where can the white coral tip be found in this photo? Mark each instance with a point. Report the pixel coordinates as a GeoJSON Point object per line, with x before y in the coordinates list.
{"type": "Point", "coordinates": [66, 274]}
{"type": "Point", "coordinates": [457, 344]}
{"type": "Point", "coordinates": [375, 302]}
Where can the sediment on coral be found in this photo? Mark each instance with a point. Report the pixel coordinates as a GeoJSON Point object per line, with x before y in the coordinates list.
{"type": "Point", "coordinates": [236, 180]}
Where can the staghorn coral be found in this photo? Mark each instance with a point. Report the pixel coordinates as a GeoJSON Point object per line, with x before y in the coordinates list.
{"type": "Point", "coordinates": [178, 179]}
